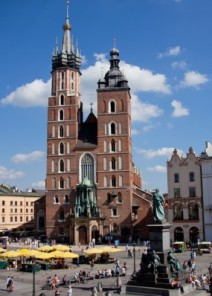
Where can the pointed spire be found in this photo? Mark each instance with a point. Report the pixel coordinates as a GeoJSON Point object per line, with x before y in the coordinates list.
{"type": "Point", "coordinates": [66, 47]}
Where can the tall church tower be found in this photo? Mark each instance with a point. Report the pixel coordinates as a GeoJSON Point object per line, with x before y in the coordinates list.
{"type": "Point", "coordinates": [64, 121]}
{"type": "Point", "coordinates": [115, 171]}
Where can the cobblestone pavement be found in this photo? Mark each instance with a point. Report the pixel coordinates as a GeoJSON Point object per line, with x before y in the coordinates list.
{"type": "Point", "coordinates": [24, 280]}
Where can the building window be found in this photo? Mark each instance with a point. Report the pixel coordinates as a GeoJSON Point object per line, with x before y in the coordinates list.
{"type": "Point", "coordinates": [191, 176]}
{"type": "Point", "coordinates": [66, 199]}
{"type": "Point", "coordinates": [113, 163]}
{"type": "Point", "coordinates": [21, 203]}
{"type": "Point", "coordinates": [26, 210]}
{"type": "Point", "coordinates": [62, 77]}
{"type": "Point", "coordinates": [21, 219]}
{"type": "Point", "coordinates": [113, 145]}
{"type": "Point", "coordinates": [62, 100]}
{"type": "Point", "coordinates": [61, 115]}
{"type": "Point", "coordinates": [178, 212]}
{"type": "Point", "coordinates": [61, 165]}
{"type": "Point", "coordinates": [3, 210]}
{"type": "Point", "coordinates": [61, 148]}
{"type": "Point", "coordinates": [11, 210]}
{"type": "Point", "coordinates": [16, 219]}
{"type": "Point", "coordinates": [112, 107]}
{"type": "Point", "coordinates": [3, 203]}
{"type": "Point", "coordinates": [87, 167]}
{"type": "Point", "coordinates": [27, 219]}
{"type": "Point", "coordinates": [27, 204]}
{"type": "Point", "coordinates": [31, 210]}
{"type": "Point", "coordinates": [3, 219]}
{"type": "Point", "coordinates": [61, 183]}
{"type": "Point", "coordinates": [61, 131]}
{"type": "Point", "coordinates": [21, 210]}
{"type": "Point", "coordinates": [113, 181]}
{"type": "Point", "coordinates": [176, 178]}
{"type": "Point", "coordinates": [112, 128]}
{"type": "Point", "coordinates": [176, 192]}
{"type": "Point", "coordinates": [11, 219]}
{"type": "Point", "coordinates": [56, 199]}
{"type": "Point", "coordinates": [16, 210]}
{"type": "Point", "coordinates": [114, 212]}
{"type": "Point", "coordinates": [192, 192]}
{"type": "Point", "coordinates": [193, 212]}
{"type": "Point", "coordinates": [11, 203]}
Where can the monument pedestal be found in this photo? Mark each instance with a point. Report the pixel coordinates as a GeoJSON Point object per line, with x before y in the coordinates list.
{"type": "Point", "coordinates": [159, 236]}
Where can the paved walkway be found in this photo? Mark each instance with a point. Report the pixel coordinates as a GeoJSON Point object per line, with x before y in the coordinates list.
{"type": "Point", "coordinates": [24, 280]}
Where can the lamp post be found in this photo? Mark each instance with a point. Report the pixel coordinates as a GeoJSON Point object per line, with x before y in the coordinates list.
{"type": "Point", "coordinates": [134, 268]}
{"type": "Point", "coordinates": [210, 272]}
{"type": "Point", "coordinates": [33, 277]}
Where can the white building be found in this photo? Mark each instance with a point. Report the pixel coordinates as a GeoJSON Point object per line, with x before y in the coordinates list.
{"type": "Point", "coordinates": [185, 197]}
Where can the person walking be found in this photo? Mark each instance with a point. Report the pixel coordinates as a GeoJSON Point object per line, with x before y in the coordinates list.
{"type": "Point", "coordinates": [11, 284]}
{"type": "Point", "coordinates": [69, 292]}
{"type": "Point", "coordinates": [7, 283]}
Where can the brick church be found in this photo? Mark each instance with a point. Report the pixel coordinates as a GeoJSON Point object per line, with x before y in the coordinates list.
{"type": "Point", "coordinates": [93, 188]}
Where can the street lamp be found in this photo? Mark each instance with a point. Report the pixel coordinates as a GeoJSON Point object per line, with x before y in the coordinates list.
{"type": "Point", "coordinates": [134, 269]}
{"type": "Point", "coordinates": [33, 278]}
{"type": "Point", "coordinates": [210, 272]}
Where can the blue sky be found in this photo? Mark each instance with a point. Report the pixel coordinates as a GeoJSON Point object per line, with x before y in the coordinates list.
{"type": "Point", "coordinates": [165, 50]}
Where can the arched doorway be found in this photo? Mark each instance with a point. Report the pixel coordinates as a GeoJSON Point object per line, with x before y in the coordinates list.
{"type": "Point", "coordinates": [95, 233]}
{"type": "Point", "coordinates": [193, 234]}
{"type": "Point", "coordinates": [83, 235]}
{"type": "Point", "coordinates": [178, 234]}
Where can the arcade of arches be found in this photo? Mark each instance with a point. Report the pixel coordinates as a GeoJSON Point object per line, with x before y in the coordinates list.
{"type": "Point", "coordinates": [193, 234]}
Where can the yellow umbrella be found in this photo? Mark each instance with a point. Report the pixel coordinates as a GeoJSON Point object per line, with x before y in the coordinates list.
{"type": "Point", "coordinates": [61, 248]}
{"type": "Point", "coordinates": [42, 255]}
{"type": "Point", "coordinates": [107, 249]}
{"type": "Point", "coordinates": [2, 250]}
{"type": "Point", "coordinates": [60, 254]}
{"type": "Point", "coordinates": [28, 253]}
{"type": "Point", "coordinates": [46, 249]}
{"type": "Point", "coordinates": [10, 254]}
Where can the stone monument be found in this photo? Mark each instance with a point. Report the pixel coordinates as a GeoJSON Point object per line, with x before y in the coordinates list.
{"type": "Point", "coordinates": [158, 266]}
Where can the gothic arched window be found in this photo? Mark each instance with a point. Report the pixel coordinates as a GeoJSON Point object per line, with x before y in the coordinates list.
{"type": "Point", "coordinates": [61, 148]}
{"type": "Point", "coordinates": [87, 167]}
{"type": "Point", "coordinates": [62, 100]}
{"type": "Point", "coordinates": [112, 128]}
{"type": "Point", "coordinates": [61, 131]}
{"type": "Point", "coordinates": [61, 115]}
{"type": "Point", "coordinates": [178, 212]}
{"type": "Point", "coordinates": [61, 183]}
{"type": "Point", "coordinates": [113, 181]}
{"type": "Point", "coordinates": [112, 107]}
{"type": "Point", "coordinates": [113, 145]}
{"type": "Point", "coordinates": [113, 163]}
{"type": "Point", "coordinates": [61, 165]}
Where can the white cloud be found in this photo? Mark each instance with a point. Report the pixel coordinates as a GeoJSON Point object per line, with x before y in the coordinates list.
{"type": "Point", "coordinates": [39, 185]}
{"type": "Point", "coordinates": [179, 110]}
{"type": "Point", "coordinates": [179, 65]}
{"type": "Point", "coordinates": [28, 158]}
{"type": "Point", "coordinates": [142, 111]}
{"type": "Point", "coordinates": [37, 92]}
{"type": "Point", "coordinates": [32, 94]}
{"type": "Point", "coordinates": [162, 152]}
{"type": "Point", "coordinates": [172, 51]}
{"type": "Point", "coordinates": [10, 174]}
{"type": "Point", "coordinates": [194, 79]}
{"type": "Point", "coordinates": [157, 169]}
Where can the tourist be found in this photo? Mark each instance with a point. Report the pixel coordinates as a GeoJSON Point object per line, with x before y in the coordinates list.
{"type": "Point", "coordinates": [177, 284]}
{"type": "Point", "coordinates": [11, 284]}
{"type": "Point", "coordinates": [7, 283]}
{"type": "Point", "coordinates": [69, 293]}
